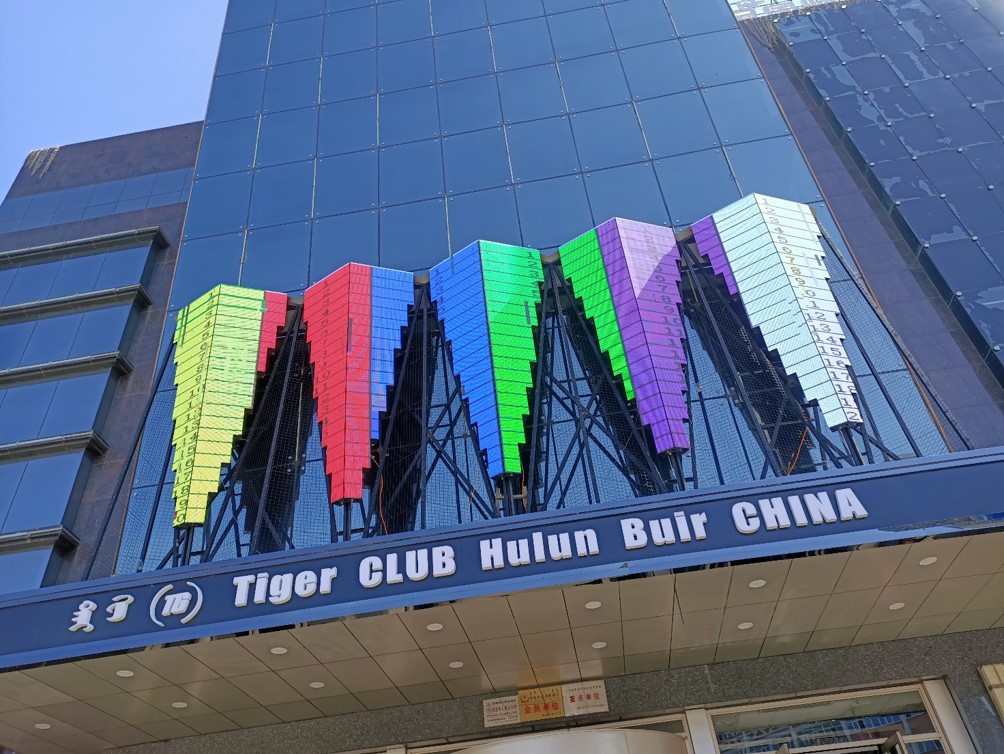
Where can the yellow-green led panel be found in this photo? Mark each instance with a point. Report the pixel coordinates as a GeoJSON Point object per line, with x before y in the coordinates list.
{"type": "Point", "coordinates": [216, 355]}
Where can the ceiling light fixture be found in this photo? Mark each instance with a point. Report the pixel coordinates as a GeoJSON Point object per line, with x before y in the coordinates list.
{"type": "Point", "coordinates": [278, 650]}
{"type": "Point", "coordinates": [930, 560]}
{"type": "Point", "coordinates": [42, 726]}
{"type": "Point", "coordinates": [897, 605]}
{"type": "Point", "coordinates": [594, 605]}
{"type": "Point", "coordinates": [434, 627]}
{"type": "Point", "coordinates": [316, 684]}
{"type": "Point", "coordinates": [179, 705]}
{"type": "Point", "coordinates": [124, 673]}
{"type": "Point", "coordinates": [599, 645]}
{"type": "Point", "coordinates": [456, 665]}
{"type": "Point", "coordinates": [757, 584]}
{"type": "Point", "coordinates": [745, 626]}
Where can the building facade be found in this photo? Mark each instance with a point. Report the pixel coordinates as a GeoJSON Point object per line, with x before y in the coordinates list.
{"type": "Point", "coordinates": [532, 375]}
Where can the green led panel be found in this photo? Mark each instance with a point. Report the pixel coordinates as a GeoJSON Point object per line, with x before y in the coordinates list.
{"type": "Point", "coordinates": [582, 263]}
{"type": "Point", "coordinates": [216, 354]}
{"type": "Point", "coordinates": [512, 277]}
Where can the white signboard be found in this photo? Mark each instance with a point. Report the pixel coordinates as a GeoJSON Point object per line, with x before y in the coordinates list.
{"type": "Point", "coordinates": [501, 711]}
{"type": "Point", "coordinates": [585, 698]}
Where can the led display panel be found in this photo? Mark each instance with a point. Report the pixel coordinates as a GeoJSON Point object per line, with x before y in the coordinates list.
{"type": "Point", "coordinates": [222, 342]}
{"type": "Point", "coordinates": [487, 297]}
{"type": "Point", "coordinates": [353, 320]}
{"type": "Point", "coordinates": [768, 250]}
{"type": "Point", "coordinates": [628, 277]}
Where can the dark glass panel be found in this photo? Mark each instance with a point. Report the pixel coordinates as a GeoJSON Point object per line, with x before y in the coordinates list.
{"type": "Point", "coordinates": [464, 54]}
{"type": "Point", "coordinates": [608, 137]}
{"type": "Point", "coordinates": [346, 183]}
{"type": "Point", "coordinates": [595, 81]}
{"type": "Point", "coordinates": [406, 65]}
{"type": "Point", "coordinates": [351, 30]}
{"type": "Point", "coordinates": [411, 115]}
{"type": "Point", "coordinates": [489, 215]}
{"type": "Point", "coordinates": [531, 93]}
{"type": "Point", "coordinates": [403, 20]}
{"type": "Point", "coordinates": [476, 160]}
{"type": "Point", "coordinates": [238, 95]}
{"type": "Point", "coordinates": [552, 211]}
{"type": "Point", "coordinates": [277, 258]}
{"type": "Point", "coordinates": [348, 126]}
{"type": "Point", "coordinates": [219, 205]}
{"type": "Point", "coordinates": [522, 43]}
{"type": "Point", "coordinates": [470, 104]}
{"type": "Point", "coordinates": [413, 236]}
{"type": "Point", "coordinates": [630, 191]}
{"type": "Point", "coordinates": [542, 148]}
{"type": "Point", "coordinates": [411, 172]}
{"type": "Point", "coordinates": [339, 240]}
{"type": "Point", "coordinates": [580, 32]}
{"type": "Point", "coordinates": [349, 76]}
{"type": "Point", "coordinates": [296, 40]}
{"type": "Point", "coordinates": [282, 194]}
{"type": "Point", "coordinates": [227, 147]}
{"type": "Point", "coordinates": [292, 85]}
{"type": "Point", "coordinates": [657, 69]}
{"type": "Point", "coordinates": [677, 124]}
{"type": "Point", "coordinates": [243, 50]}
{"type": "Point", "coordinates": [689, 200]}
{"type": "Point", "coordinates": [205, 263]}
{"type": "Point", "coordinates": [288, 136]}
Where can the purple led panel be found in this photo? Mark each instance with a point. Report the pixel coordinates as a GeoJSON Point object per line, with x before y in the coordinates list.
{"type": "Point", "coordinates": [709, 243]}
{"type": "Point", "coordinates": [643, 270]}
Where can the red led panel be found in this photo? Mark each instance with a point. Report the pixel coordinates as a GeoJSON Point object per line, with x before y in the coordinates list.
{"type": "Point", "coordinates": [338, 313]}
{"type": "Point", "coordinates": [272, 321]}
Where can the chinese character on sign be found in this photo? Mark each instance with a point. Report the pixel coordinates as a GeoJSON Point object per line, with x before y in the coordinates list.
{"type": "Point", "coordinates": [82, 617]}
{"type": "Point", "coordinates": [119, 608]}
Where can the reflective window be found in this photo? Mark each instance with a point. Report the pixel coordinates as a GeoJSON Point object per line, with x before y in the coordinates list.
{"type": "Point", "coordinates": [484, 214]}
{"type": "Point", "coordinates": [288, 136]}
{"type": "Point", "coordinates": [676, 124]}
{"type": "Point", "coordinates": [500, 11]}
{"type": "Point", "coordinates": [238, 95]}
{"type": "Point", "coordinates": [46, 487]}
{"type": "Point", "coordinates": [521, 44]}
{"type": "Point", "coordinates": [413, 236]}
{"type": "Point", "coordinates": [657, 69]}
{"type": "Point", "coordinates": [581, 32]}
{"type": "Point", "coordinates": [542, 148]}
{"type": "Point", "coordinates": [698, 18]}
{"type": "Point", "coordinates": [774, 167]}
{"type": "Point", "coordinates": [629, 191]}
{"type": "Point", "coordinates": [277, 258]}
{"type": "Point", "coordinates": [464, 54]}
{"type": "Point", "coordinates": [346, 183]}
{"type": "Point", "coordinates": [552, 211]}
{"type": "Point", "coordinates": [292, 85]}
{"type": "Point", "coordinates": [531, 93]}
{"type": "Point", "coordinates": [296, 40]}
{"type": "Point", "coordinates": [339, 240]}
{"type": "Point", "coordinates": [51, 409]}
{"type": "Point", "coordinates": [457, 15]}
{"type": "Point", "coordinates": [408, 116]}
{"type": "Point", "coordinates": [720, 58]}
{"type": "Point", "coordinates": [204, 263]}
{"type": "Point", "coordinates": [406, 65]}
{"type": "Point", "coordinates": [608, 137]}
{"type": "Point", "coordinates": [227, 147]}
{"type": "Point", "coordinates": [744, 111]}
{"type": "Point", "coordinates": [349, 76]}
{"type": "Point", "coordinates": [476, 160]}
{"type": "Point", "coordinates": [350, 30]}
{"type": "Point", "coordinates": [347, 127]}
{"type": "Point", "coordinates": [248, 14]}
{"type": "Point", "coordinates": [411, 172]}
{"type": "Point", "coordinates": [639, 22]}
{"type": "Point", "coordinates": [403, 21]}
{"type": "Point", "coordinates": [219, 205]}
{"type": "Point", "coordinates": [243, 50]}
{"type": "Point", "coordinates": [282, 194]}
{"type": "Point", "coordinates": [471, 104]}
{"type": "Point", "coordinates": [596, 81]}
{"type": "Point", "coordinates": [24, 570]}
{"type": "Point", "coordinates": [690, 200]}
{"type": "Point", "coordinates": [290, 9]}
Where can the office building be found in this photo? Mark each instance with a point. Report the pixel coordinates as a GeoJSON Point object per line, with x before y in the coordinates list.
{"type": "Point", "coordinates": [544, 374]}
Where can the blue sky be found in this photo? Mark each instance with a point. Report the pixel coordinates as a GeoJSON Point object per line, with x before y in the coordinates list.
{"type": "Point", "coordinates": [76, 70]}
